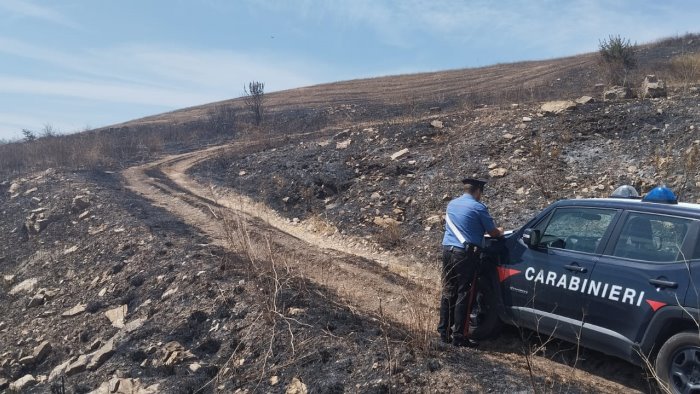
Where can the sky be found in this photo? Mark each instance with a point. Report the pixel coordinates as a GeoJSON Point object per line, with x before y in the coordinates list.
{"type": "Point", "coordinates": [76, 64]}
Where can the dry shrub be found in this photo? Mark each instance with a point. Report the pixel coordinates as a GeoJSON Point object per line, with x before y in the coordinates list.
{"type": "Point", "coordinates": [685, 69]}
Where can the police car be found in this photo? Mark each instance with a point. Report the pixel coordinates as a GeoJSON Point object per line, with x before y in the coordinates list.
{"type": "Point", "coordinates": [619, 275]}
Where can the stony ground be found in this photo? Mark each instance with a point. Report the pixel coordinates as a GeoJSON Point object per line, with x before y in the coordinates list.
{"type": "Point", "coordinates": [390, 182]}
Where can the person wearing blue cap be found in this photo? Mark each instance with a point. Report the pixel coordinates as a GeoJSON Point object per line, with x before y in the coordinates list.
{"type": "Point", "coordinates": [467, 220]}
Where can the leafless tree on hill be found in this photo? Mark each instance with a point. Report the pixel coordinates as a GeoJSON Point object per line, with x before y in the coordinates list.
{"type": "Point", "coordinates": [255, 99]}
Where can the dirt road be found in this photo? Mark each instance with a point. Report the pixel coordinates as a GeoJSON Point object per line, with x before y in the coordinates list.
{"type": "Point", "coordinates": [376, 284]}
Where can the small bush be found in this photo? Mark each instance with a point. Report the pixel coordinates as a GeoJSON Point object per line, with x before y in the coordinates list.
{"type": "Point", "coordinates": [685, 69]}
{"type": "Point", "coordinates": [617, 57]}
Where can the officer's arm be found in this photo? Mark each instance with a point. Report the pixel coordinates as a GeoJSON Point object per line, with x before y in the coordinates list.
{"type": "Point", "coordinates": [488, 224]}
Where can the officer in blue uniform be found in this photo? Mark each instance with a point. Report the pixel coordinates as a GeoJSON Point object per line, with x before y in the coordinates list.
{"type": "Point", "coordinates": [467, 220]}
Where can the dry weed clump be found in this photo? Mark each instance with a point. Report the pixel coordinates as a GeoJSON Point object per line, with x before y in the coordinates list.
{"type": "Point", "coordinates": [685, 69]}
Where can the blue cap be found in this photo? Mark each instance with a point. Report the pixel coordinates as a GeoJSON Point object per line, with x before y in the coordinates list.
{"type": "Point", "coordinates": [661, 194]}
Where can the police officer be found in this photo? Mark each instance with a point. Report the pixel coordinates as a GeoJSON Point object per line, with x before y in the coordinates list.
{"type": "Point", "coordinates": [467, 220]}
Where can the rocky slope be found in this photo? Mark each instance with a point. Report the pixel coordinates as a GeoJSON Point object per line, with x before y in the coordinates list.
{"type": "Point", "coordinates": [389, 182]}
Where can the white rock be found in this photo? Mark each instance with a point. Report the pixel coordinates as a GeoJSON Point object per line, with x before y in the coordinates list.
{"type": "Point", "coordinates": [22, 383]}
{"type": "Point", "coordinates": [117, 315]}
{"type": "Point", "coordinates": [27, 285]}
{"type": "Point", "coordinates": [399, 154]}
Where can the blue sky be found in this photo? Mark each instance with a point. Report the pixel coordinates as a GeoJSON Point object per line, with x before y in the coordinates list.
{"type": "Point", "coordinates": [74, 64]}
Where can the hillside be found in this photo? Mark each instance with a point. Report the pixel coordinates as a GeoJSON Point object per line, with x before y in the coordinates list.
{"type": "Point", "coordinates": [168, 255]}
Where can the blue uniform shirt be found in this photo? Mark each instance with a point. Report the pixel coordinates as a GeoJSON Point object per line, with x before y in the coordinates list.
{"type": "Point", "coordinates": [471, 218]}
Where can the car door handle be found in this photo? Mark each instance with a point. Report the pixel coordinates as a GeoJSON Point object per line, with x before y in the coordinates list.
{"type": "Point", "coordinates": [575, 268]}
{"type": "Point", "coordinates": [663, 283]}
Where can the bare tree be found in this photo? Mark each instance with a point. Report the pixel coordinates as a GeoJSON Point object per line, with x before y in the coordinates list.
{"type": "Point", "coordinates": [255, 99]}
{"type": "Point", "coordinates": [48, 131]}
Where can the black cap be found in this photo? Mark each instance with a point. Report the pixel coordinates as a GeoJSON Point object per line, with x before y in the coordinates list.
{"type": "Point", "coordinates": [478, 183]}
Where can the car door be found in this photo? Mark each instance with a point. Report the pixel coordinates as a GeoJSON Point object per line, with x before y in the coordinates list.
{"type": "Point", "coordinates": [642, 270]}
{"type": "Point", "coordinates": [546, 290]}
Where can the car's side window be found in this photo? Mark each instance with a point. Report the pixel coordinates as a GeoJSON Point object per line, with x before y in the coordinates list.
{"type": "Point", "coordinates": [654, 238]}
{"type": "Point", "coordinates": [579, 229]}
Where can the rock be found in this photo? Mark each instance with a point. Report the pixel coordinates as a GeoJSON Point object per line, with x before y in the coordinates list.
{"type": "Point", "coordinates": [497, 172]}
{"type": "Point", "coordinates": [557, 107]}
{"type": "Point", "coordinates": [22, 383]}
{"type": "Point", "coordinates": [26, 286]}
{"type": "Point", "coordinates": [58, 370]}
{"type": "Point", "coordinates": [385, 222]}
{"type": "Point", "coordinates": [399, 154]}
{"type": "Point", "coordinates": [437, 124]}
{"type": "Point", "coordinates": [2, 325]}
{"type": "Point", "coordinates": [195, 367]}
{"type": "Point", "coordinates": [83, 215]}
{"type": "Point", "coordinates": [134, 324]}
{"type": "Point", "coordinates": [3, 384]}
{"type": "Point", "coordinates": [296, 311]}
{"type": "Point", "coordinates": [117, 315]}
{"type": "Point", "coordinates": [527, 119]}
{"type": "Point", "coordinates": [175, 353]}
{"type": "Point", "coordinates": [118, 385]}
{"type": "Point", "coordinates": [30, 191]}
{"type": "Point", "coordinates": [76, 367]}
{"type": "Point", "coordinates": [74, 311]}
{"type": "Point", "coordinates": [70, 250]}
{"type": "Point", "coordinates": [242, 173]}
{"type": "Point", "coordinates": [617, 93]}
{"type": "Point", "coordinates": [101, 355]}
{"type": "Point", "coordinates": [27, 360]}
{"type": "Point", "coordinates": [42, 351]}
{"type": "Point", "coordinates": [40, 225]}
{"type": "Point", "coordinates": [274, 380]}
{"type": "Point", "coordinates": [508, 136]}
{"type": "Point", "coordinates": [37, 300]}
{"type": "Point", "coordinates": [285, 200]}
{"type": "Point", "coordinates": [173, 290]}
{"type": "Point", "coordinates": [585, 100]}
{"type": "Point", "coordinates": [14, 188]}
{"type": "Point", "coordinates": [375, 196]}
{"type": "Point", "coordinates": [652, 87]}
{"type": "Point", "coordinates": [296, 387]}
{"type": "Point", "coordinates": [433, 220]}
{"type": "Point", "coordinates": [79, 204]}
{"type": "Point", "coordinates": [8, 280]}
{"type": "Point", "coordinates": [343, 144]}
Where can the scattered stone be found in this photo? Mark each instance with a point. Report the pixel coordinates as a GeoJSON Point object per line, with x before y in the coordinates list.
{"type": "Point", "coordinates": [399, 154]}
{"type": "Point", "coordinates": [585, 100]}
{"type": "Point", "coordinates": [79, 204]}
{"type": "Point", "coordinates": [274, 380]}
{"type": "Point", "coordinates": [285, 200]}
{"type": "Point", "coordinates": [527, 119]}
{"type": "Point", "coordinates": [83, 215]}
{"type": "Point", "coordinates": [27, 360]}
{"type": "Point", "coordinates": [27, 285]}
{"type": "Point", "coordinates": [296, 311]}
{"type": "Point", "coordinates": [117, 315]}
{"type": "Point", "coordinates": [437, 124]}
{"type": "Point", "coordinates": [22, 383]}
{"type": "Point", "coordinates": [118, 385]}
{"type": "Point", "coordinates": [2, 325]}
{"type": "Point", "coordinates": [242, 173]}
{"type": "Point", "coordinates": [195, 367]}
{"type": "Point", "coordinates": [385, 222]}
{"type": "Point", "coordinates": [173, 290]}
{"type": "Point", "coordinates": [497, 172]}
{"type": "Point", "coordinates": [296, 387]}
{"type": "Point", "coordinates": [42, 351]}
{"type": "Point", "coordinates": [508, 136]}
{"type": "Point", "coordinates": [375, 196]}
{"type": "Point", "coordinates": [14, 188]}
{"type": "Point", "coordinates": [343, 144]}
{"type": "Point", "coordinates": [175, 353]}
{"type": "Point", "coordinates": [101, 355]}
{"type": "Point", "coordinates": [59, 370]}
{"type": "Point", "coordinates": [30, 191]}
{"type": "Point", "coordinates": [617, 93]}
{"type": "Point", "coordinates": [134, 324]}
{"type": "Point", "coordinates": [70, 250]}
{"type": "Point", "coordinates": [3, 384]}
{"type": "Point", "coordinates": [37, 300]}
{"type": "Point", "coordinates": [76, 367]}
{"type": "Point", "coordinates": [653, 87]}
{"type": "Point", "coordinates": [74, 311]}
{"type": "Point", "coordinates": [557, 107]}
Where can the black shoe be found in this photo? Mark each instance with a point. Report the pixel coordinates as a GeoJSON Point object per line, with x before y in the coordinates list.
{"type": "Point", "coordinates": [470, 343]}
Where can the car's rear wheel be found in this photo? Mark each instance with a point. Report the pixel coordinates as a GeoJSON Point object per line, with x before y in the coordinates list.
{"type": "Point", "coordinates": [678, 363]}
{"type": "Point", "coordinates": [484, 322]}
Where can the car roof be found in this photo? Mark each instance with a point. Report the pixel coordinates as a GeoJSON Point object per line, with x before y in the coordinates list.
{"type": "Point", "coordinates": [680, 209]}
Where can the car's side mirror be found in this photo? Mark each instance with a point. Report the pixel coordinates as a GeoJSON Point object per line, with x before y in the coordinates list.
{"type": "Point", "coordinates": [532, 237]}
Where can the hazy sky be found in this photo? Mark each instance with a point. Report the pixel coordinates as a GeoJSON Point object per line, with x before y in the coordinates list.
{"type": "Point", "coordinates": [78, 63]}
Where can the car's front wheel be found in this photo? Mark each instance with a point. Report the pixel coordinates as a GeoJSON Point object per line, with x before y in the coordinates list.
{"type": "Point", "coordinates": [678, 363]}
